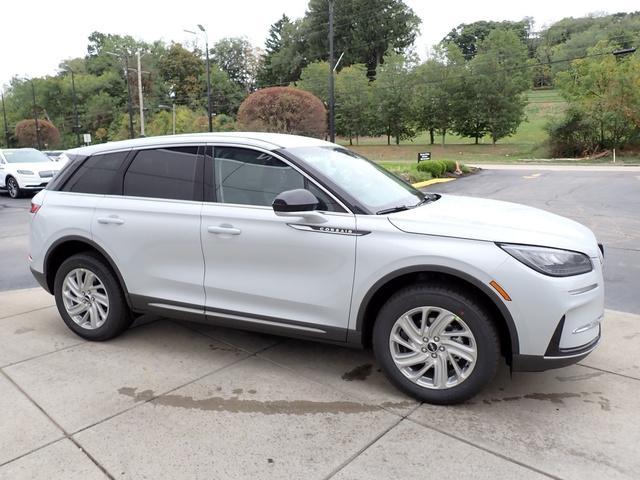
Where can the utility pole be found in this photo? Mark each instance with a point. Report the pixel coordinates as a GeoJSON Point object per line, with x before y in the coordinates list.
{"type": "Point", "coordinates": [35, 115]}
{"type": "Point", "coordinates": [332, 99]}
{"type": "Point", "coordinates": [140, 99]}
{"type": "Point", "coordinates": [129, 105]}
{"type": "Point", "coordinates": [4, 117]}
{"type": "Point", "coordinates": [76, 127]}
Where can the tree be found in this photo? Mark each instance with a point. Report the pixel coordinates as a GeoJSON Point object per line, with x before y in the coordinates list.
{"type": "Point", "coordinates": [393, 100]}
{"type": "Point", "coordinates": [365, 30]}
{"type": "Point", "coordinates": [26, 134]}
{"type": "Point", "coordinates": [182, 70]}
{"type": "Point", "coordinates": [468, 36]}
{"type": "Point", "coordinates": [314, 78]}
{"type": "Point", "coordinates": [283, 59]}
{"type": "Point", "coordinates": [437, 84]}
{"type": "Point", "coordinates": [237, 57]}
{"type": "Point", "coordinates": [501, 75]}
{"type": "Point", "coordinates": [283, 110]}
{"type": "Point", "coordinates": [354, 102]}
{"type": "Point", "coordinates": [604, 89]}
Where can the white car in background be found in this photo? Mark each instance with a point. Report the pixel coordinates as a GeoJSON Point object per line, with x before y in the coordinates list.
{"type": "Point", "coordinates": [23, 169]}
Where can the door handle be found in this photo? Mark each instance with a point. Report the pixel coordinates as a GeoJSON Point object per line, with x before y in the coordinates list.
{"type": "Point", "coordinates": [225, 228]}
{"type": "Point", "coordinates": [110, 220]}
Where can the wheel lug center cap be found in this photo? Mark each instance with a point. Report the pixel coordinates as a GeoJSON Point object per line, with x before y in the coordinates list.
{"type": "Point", "coordinates": [432, 347]}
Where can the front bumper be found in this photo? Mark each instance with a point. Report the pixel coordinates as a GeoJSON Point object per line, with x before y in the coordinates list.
{"type": "Point", "coordinates": [554, 357]}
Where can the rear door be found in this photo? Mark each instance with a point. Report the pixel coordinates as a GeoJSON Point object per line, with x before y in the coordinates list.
{"type": "Point", "coordinates": [268, 272]}
{"type": "Point", "coordinates": [150, 226]}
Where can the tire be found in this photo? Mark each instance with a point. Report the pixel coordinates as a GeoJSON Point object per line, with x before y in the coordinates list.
{"type": "Point", "coordinates": [13, 188]}
{"type": "Point", "coordinates": [446, 311]}
{"type": "Point", "coordinates": [97, 321]}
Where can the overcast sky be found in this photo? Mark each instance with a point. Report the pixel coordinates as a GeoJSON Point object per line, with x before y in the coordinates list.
{"type": "Point", "coordinates": [36, 35]}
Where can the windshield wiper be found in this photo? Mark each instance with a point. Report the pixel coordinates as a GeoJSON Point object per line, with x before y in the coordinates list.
{"type": "Point", "coordinates": [398, 208]}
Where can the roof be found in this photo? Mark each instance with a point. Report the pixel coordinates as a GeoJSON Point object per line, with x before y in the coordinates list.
{"type": "Point", "coordinates": [270, 141]}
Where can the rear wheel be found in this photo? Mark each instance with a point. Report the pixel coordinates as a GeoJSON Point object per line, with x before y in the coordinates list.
{"type": "Point", "coordinates": [436, 344]}
{"type": "Point", "coordinates": [13, 188]}
{"type": "Point", "coordinates": [90, 299]}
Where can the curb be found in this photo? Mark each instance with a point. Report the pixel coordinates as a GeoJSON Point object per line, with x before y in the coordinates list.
{"type": "Point", "coordinates": [431, 182]}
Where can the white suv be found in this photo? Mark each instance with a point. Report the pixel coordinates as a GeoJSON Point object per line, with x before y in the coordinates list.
{"type": "Point", "coordinates": [300, 237]}
{"type": "Point", "coordinates": [24, 169]}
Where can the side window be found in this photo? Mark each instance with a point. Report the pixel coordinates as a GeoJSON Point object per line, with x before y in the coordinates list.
{"type": "Point", "coordinates": [98, 174]}
{"type": "Point", "coordinates": [249, 177]}
{"type": "Point", "coordinates": [164, 173]}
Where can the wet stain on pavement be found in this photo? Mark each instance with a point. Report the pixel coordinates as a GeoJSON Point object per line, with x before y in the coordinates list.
{"type": "Point", "coordinates": [576, 378]}
{"type": "Point", "coordinates": [632, 336]}
{"type": "Point", "coordinates": [358, 373]}
{"type": "Point", "coordinates": [555, 398]}
{"type": "Point", "coordinates": [22, 330]}
{"type": "Point", "coordinates": [266, 407]}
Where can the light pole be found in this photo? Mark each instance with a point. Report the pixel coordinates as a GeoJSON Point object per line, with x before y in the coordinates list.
{"type": "Point", "coordinates": [6, 127]}
{"type": "Point", "coordinates": [140, 98]}
{"type": "Point", "coordinates": [332, 98]}
{"type": "Point", "coordinates": [35, 115]}
{"type": "Point", "coordinates": [206, 46]}
{"type": "Point", "coordinates": [173, 115]}
{"type": "Point", "coordinates": [76, 127]}
{"type": "Point", "coordinates": [125, 59]}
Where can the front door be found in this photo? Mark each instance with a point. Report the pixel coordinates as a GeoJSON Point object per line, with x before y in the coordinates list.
{"type": "Point", "coordinates": [268, 272]}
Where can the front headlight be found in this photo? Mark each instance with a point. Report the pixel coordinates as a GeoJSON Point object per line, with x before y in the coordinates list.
{"type": "Point", "coordinates": [25, 172]}
{"type": "Point", "coordinates": [550, 261]}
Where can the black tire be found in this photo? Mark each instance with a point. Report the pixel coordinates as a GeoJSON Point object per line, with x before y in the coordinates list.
{"type": "Point", "coordinates": [14, 191]}
{"type": "Point", "coordinates": [463, 306]}
{"type": "Point", "coordinates": [118, 318]}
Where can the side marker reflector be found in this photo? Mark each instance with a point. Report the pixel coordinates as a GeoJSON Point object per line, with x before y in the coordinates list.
{"type": "Point", "coordinates": [500, 290]}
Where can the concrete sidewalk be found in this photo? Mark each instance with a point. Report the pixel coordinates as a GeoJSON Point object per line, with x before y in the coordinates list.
{"type": "Point", "coordinates": [179, 400]}
{"type": "Point", "coordinates": [558, 168]}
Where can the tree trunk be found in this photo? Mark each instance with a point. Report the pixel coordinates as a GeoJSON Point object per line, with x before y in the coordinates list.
{"type": "Point", "coordinates": [350, 140]}
{"type": "Point", "coordinates": [388, 136]}
{"type": "Point", "coordinates": [431, 136]}
{"type": "Point", "coordinates": [444, 132]}
{"type": "Point", "coordinates": [397, 139]}
{"type": "Point", "coordinates": [476, 139]}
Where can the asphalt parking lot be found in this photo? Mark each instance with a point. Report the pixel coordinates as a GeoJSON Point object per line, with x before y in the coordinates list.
{"type": "Point", "coordinates": [177, 400]}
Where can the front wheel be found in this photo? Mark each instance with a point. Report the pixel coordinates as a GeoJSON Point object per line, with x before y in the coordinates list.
{"type": "Point", "coordinates": [436, 344]}
{"type": "Point", "coordinates": [90, 299]}
{"type": "Point", "coordinates": [13, 188]}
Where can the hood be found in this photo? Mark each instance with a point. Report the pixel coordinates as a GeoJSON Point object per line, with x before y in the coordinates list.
{"type": "Point", "coordinates": [36, 166]}
{"type": "Point", "coordinates": [495, 221]}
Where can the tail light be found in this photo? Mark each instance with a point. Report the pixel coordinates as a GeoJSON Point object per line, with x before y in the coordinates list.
{"type": "Point", "coordinates": [35, 207]}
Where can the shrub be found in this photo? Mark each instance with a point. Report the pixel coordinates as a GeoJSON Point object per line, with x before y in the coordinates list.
{"type": "Point", "coordinates": [573, 136]}
{"type": "Point", "coordinates": [435, 167]}
{"type": "Point", "coordinates": [450, 165]}
{"type": "Point", "coordinates": [26, 134]}
{"type": "Point", "coordinates": [283, 110]}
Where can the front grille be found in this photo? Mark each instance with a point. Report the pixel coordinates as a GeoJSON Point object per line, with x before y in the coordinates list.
{"type": "Point", "coordinates": [46, 174]}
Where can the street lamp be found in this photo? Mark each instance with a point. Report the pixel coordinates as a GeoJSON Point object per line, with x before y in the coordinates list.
{"type": "Point", "coordinates": [173, 114]}
{"type": "Point", "coordinates": [206, 46]}
{"type": "Point", "coordinates": [76, 127]}
{"type": "Point", "coordinates": [35, 115]}
{"type": "Point", "coordinates": [125, 59]}
{"type": "Point", "coordinates": [6, 127]}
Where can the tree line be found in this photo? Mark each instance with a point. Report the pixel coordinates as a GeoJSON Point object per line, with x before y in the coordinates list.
{"type": "Point", "coordinates": [473, 83]}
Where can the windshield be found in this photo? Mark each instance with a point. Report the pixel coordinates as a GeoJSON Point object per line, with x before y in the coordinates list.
{"type": "Point", "coordinates": [25, 155]}
{"type": "Point", "coordinates": [368, 183]}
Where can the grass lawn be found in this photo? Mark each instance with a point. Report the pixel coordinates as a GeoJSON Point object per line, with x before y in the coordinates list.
{"type": "Point", "coordinates": [526, 145]}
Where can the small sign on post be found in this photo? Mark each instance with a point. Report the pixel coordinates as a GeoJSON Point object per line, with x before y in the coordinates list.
{"type": "Point", "coordinates": [87, 138]}
{"type": "Point", "coordinates": [423, 156]}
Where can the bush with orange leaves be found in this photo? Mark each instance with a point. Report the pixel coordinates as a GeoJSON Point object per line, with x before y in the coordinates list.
{"type": "Point", "coordinates": [283, 110]}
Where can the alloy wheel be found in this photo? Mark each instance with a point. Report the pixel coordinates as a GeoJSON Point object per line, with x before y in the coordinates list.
{"type": "Point", "coordinates": [13, 188]}
{"type": "Point", "coordinates": [85, 298]}
{"type": "Point", "coordinates": [433, 347]}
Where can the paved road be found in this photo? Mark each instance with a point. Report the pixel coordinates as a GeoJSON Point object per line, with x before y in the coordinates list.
{"type": "Point", "coordinates": [607, 201]}
{"type": "Point", "coordinates": [14, 243]}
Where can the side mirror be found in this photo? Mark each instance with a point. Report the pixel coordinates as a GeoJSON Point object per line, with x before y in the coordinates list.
{"type": "Point", "coordinates": [291, 201]}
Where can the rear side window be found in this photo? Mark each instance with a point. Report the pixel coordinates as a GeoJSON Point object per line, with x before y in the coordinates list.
{"type": "Point", "coordinates": [164, 173]}
{"type": "Point", "coordinates": [98, 174]}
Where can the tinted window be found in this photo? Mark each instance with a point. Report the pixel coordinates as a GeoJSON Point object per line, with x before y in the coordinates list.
{"type": "Point", "coordinates": [98, 174]}
{"type": "Point", "coordinates": [249, 177]}
{"type": "Point", "coordinates": [163, 173]}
